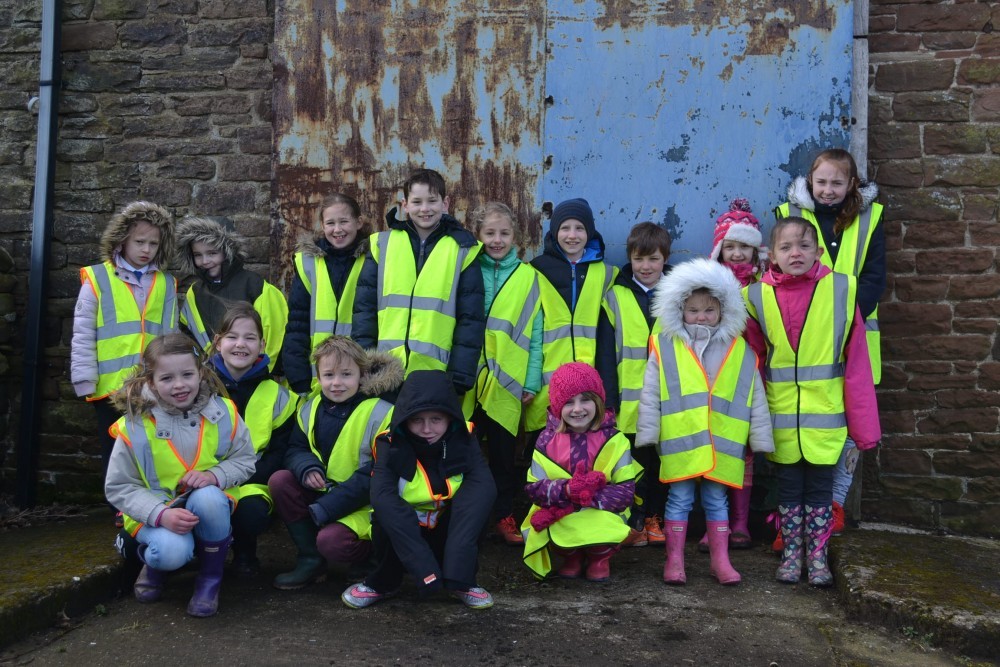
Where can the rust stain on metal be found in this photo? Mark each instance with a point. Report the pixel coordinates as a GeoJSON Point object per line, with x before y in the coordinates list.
{"type": "Point", "coordinates": [365, 94]}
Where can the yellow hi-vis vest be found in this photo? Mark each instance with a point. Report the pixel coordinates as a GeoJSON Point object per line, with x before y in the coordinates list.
{"type": "Point", "coordinates": [568, 336]}
{"type": "Point", "coordinates": [416, 312]}
{"type": "Point", "coordinates": [855, 241]}
{"type": "Point", "coordinates": [269, 408]}
{"type": "Point", "coordinates": [503, 366]}
{"type": "Point", "coordinates": [418, 494]}
{"type": "Point", "coordinates": [805, 387]}
{"type": "Point", "coordinates": [352, 449]}
{"type": "Point", "coordinates": [160, 467]}
{"type": "Point", "coordinates": [632, 348]}
{"type": "Point", "coordinates": [327, 315]}
{"type": "Point", "coordinates": [585, 527]}
{"type": "Point", "coordinates": [270, 305]}
{"type": "Point", "coordinates": [703, 428]}
{"type": "Point", "coordinates": [122, 331]}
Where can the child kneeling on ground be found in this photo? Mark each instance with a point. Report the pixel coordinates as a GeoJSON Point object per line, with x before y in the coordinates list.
{"type": "Point", "coordinates": [581, 481]}
{"type": "Point", "coordinates": [431, 494]}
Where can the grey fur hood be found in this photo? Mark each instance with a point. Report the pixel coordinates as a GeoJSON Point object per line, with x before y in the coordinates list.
{"type": "Point", "coordinates": [205, 230]}
{"type": "Point", "coordinates": [799, 194]}
{"type": "Point", "coordinates": [318, 247]}
{"type": "Point", "coordinates": [674, 288]}
{"type": "Point", "coordinates": [118, 227]}
{"type": "Point", "coordinates": [384, 376]}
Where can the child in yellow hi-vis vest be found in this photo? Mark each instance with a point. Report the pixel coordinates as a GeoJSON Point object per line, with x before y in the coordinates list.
{"type": "Point", "coordinates": [179, 451]}
{"type": "Point", "coordinates": [125, 301]}
{"type": "Point", "coordinates": [702, 403]}
{"type": "Point", "coordinates": [581, 483]}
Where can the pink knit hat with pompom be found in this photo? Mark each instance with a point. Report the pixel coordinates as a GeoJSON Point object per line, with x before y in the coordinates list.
{"type": "Point", "coordinates": [572, 379]}
{"type": "Point", "coordinates": [736, 224]}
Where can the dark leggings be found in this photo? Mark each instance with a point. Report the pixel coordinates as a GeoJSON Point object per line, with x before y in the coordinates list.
{"type": "Point", "coordinates": [389, 569]}
{"type": "Point", "coordinates": [804, 482]}
{"type": "Point", "coordinates": [250, 520]}
{"type": "Point", "coordinates": [500, 445]}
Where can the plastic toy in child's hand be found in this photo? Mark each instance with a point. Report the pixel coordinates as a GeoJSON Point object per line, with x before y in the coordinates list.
{"type": "Point", "coordinates": [546, 516]}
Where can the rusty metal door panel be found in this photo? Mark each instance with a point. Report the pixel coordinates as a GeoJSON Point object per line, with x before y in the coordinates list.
{"type": "Point", "coordinates": [366, 90]}
{"type": "Point", "coordinates": [665, 111]}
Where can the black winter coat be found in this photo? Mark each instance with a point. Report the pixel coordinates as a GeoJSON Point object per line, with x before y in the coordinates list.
{"type": "Point", "coordinates": [456, 452]}
{"type": "Point", "coordinates": [470, 316]}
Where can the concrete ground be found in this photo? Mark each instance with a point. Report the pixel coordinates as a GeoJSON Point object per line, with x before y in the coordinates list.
{"type": "Point", "coordinates": [901, 599]}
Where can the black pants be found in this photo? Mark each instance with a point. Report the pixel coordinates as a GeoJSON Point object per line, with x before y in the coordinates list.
{"type": "Point", "coordinates": [805, 482]}
{"type": "Point", "coordinates": [500, 446]}
{"type": "Point", "coordinates": [250, 520]}
{"type": "Point", "coordinates": [389, 569]}
{"type": "Point", "coordinates": [648, 489]}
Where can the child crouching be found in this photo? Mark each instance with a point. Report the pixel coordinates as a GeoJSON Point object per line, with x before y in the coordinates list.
{"type": "Point", "coordinates": [581, 481]}
{"type": "Point", "coordinates": [702, 401]}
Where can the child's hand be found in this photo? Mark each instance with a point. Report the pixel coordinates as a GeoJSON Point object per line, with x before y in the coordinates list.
{"type": "Point", "coordinates": [178, 520]}
{"type": "Point", "coordinates": [314, 480]}
{"type": "Point", "coordinates": [198, 479]}
{"type": "Point", "coordinates": [527, 397]}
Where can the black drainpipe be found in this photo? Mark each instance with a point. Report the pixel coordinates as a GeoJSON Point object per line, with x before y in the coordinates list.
{"type": "Point", "coordinates": [41, 230]}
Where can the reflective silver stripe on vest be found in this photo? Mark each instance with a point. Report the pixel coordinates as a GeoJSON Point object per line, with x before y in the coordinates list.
{"type": "Point", "coordinates": [375, 418]}
{"type": "Point", "coordinates": [864, 227]}
{"type": "Point", "coordinates": [793, 210]}
{"type": "Point", "coordinates": [169, 305]}
{"type": "Point", "coordinates": [805, 373]}
{"type": "Point", "coordinates": [631, 394]}
{"type": "Point", "coordinates": [727, 446]}
{"type": "Point", "coordinates": [871, 324]}
{"type": "Point", "coordinates": [111, 328]}
{"type": "Point", "coordinates": [538, 471]}
{"type": "Point", "coordinates": [108, 366]}
{"type": "Point", "coordinates": [841, 286]}
{"type": "Point", "coordinates": [624, 460]}
{"type": "Point", "coordinates": [316, 325]}
{"type": "Point", "coordinates": [143, 452]}
{"type": "Point", "coordinates": [581, 331]}
{"type": "Point", "coordinates": [388, 344]}
{"type": "Point", "coordinates": [199, 334]}
{"type": "Point", "coordinates": [523, 339]}
{"type": "Point", "coordinates": [685, 443]}
{"type": "Point", "coordinates": [804, 420]}
{"type": "Point", "coordinates": [508, 383]}
{"type": "Point", "coordinates": [427, 518]}
{"type": "Point", "coordinates": [756, 298]}
{"type": "Point", "coordinates": [382, 243]}
{"type": "Point", "coordinates": [676, 401]}
{"type": "Point", "coordinates": [552, 335]}
{"type": "Point", "coordinates": [430, 350]}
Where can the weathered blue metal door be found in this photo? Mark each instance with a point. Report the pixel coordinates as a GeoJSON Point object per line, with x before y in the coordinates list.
{"type": "Point", "coordinates": [665, 111]}
{"type": "Point", "coordinates": [657, 111]}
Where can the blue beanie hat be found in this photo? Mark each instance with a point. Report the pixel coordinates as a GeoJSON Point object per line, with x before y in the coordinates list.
{"type": "Point", "coordinates": [577, 209]}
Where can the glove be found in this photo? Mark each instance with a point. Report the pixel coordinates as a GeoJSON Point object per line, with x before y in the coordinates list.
{"type": "Point", "coordinates": [583, 485]}
{"type": "Point", "coordinates": [546, 516]}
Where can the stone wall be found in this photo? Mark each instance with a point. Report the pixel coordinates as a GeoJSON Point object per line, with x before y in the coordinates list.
{"type": "Point", "coordinates": [935, 152]}
{"type": "Point", "coordinates": [165, 100]}
{"type": "Point", "coordinates": [169, 100]}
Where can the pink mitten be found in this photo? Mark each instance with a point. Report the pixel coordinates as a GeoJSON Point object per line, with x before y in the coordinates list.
{"type": "Point", "coordinates": [546, 516]}
{"type": "Point", "coordinates": [583, 485]}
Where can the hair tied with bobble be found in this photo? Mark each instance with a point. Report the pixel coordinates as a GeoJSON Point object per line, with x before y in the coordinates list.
{"type": "Point", "coordinates": [740, 204]}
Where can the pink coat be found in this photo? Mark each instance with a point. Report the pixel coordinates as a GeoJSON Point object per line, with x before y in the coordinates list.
{"type": "Point", "coordinates": [793, 294]}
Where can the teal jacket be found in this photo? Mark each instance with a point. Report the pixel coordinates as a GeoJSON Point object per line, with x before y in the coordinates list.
{"type": "Point", "coordinates": [495, 274]}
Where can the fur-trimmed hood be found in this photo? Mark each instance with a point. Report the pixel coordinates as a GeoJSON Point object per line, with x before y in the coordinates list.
{"type": "Point", "coordinates": [116, 232]}
{"type": "Point", "coordinates": [674, 289]}
{"type": "Point", "coordinates": [206, 230]}
{"type": "Point", "coordinates": [320, 247]}
{"type": "Point", "coordinates": [799, 194]}
{"type": "Point", "coordinates": [384, 376]}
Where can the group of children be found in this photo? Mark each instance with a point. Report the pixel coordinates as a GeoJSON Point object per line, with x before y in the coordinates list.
{"type": "Point", "coordinates": [626, 383]}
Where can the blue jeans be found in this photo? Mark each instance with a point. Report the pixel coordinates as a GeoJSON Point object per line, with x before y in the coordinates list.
{"type": "Point", "coordinates": [163, 549]}
{"type": "Point", "coordinates": [681, 499]}
{"type": "Point", "coordinates": [843, 474]}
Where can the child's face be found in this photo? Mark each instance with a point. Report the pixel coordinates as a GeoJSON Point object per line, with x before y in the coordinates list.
{"type": "Point", "coordinates": [572, 238]}
{"type": "Point", "coordinates": [176, 380]}
{"type": "Point", "coordinates": [497, 235]}
{"type": "Point", "coordinates": [208, 259]}
{"type": "Point", "coordinates": [339, 379]}
{"type": "Point", "coordinates": [830, 183]}
{"type": "Point", "coordinates": [579, 413]}
{"type": "Point", "coordinates": [702, 309]}
{"type": "Point", "coordinates": [425, 208]}
{"type": "Point", "coordinates": [647, 269]}
{"type": "Point", "coordinates": [141, 244]}
{"type": "Point", "coordinates": [735, 252]}
{"type": "Point", "coordinates": [240, 347]}
{"type": "Point", "coordinates": [429, 425]}
{"type": "Point", "coordinates": [340, 227]}
{"type": "Point", "coordinates": [795, 251]}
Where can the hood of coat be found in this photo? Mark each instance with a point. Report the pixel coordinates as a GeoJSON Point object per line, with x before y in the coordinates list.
{"type": "Point", "coordinates": [116, 232]}
{"type": "Point", "coordinates": [798, 194]}
{"type": "Point", "coordinates": [384, 376]}
{"type": "Point", "coordinates": [427, 390]}
{"type": "Point", "coordinates": [320, 247]}
{"type": "Point", "coordinates": [674, 289]}
{"type": "Point", "coordinates": [211, 233]}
